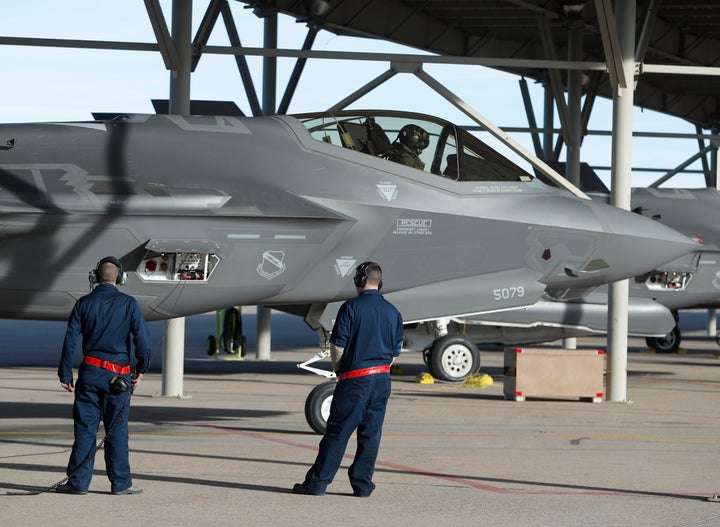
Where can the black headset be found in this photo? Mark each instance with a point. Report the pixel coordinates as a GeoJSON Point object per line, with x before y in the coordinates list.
{"type": "Point", "coordinates": [94, 276]}
{"type": "Point", "coordinates": [361, 274]}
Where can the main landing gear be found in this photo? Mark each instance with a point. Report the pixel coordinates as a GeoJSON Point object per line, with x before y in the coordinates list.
{"type": "Point", "coordinates": [670, 343]}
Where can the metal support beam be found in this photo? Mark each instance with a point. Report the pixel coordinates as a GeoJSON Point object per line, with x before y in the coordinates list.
{"type": "Point", "coordinates": [715, 180]}
{"type": "Point", "coordinates": [270, 65]}
{"type": "Point", "coordinates": [703, 159]}
{"type": "Point", "coordinates": [573, 140]}
{"type": "Point", "coordinates": [370, 86]}
{"type": "Point", "coordinates": [499, 134]}
{"type": "Point", "coordinates": [574, 116]}
{"type": "Point", "coordinates": [240, 60]}
{"type": "Point", "coordinates": [681, 166]}
{"type": "Point", "coordinates": [554, 76]}
{"type": "Point", "coordinates": [490, 62]}
{"type": "Point", "coordinates": [590, 96]}
{"type": "Point", "coordinates": [527, 102]}
{"type": "Point", "coordinates": [296, 73]}
{"type": "Point", "coordinates": [180, 76]}
{"type": "Point", "coordinates": [649, 22]}
{"type": "Point", "coordinates": [173, 367]}
{"type": "Point", "coordinates": [162, 34]}
{"type": "Point", "coordinates": [620, 197]}
{"type": "Point", "coordinates": [548, 123]}
{"type": "Point", "coordinates": [611, 44]}
{"type": "Point", "coordinates": [174, 352]}
{"type": "Point", "coordinates": [711, 176]}
{"type": "Point", "coordinates": [206, 26]}
{"type": "Point", "coordinates": [712, 322]}
{"type": "Point", "coordinates": [264, 325]}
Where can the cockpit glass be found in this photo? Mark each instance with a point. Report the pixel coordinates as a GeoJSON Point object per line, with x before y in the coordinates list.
{"type": "Point", "coordinates": [433, 146]}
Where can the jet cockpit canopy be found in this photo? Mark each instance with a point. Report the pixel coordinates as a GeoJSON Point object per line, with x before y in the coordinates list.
{"type": "Point", "coordinates": [451, 151]}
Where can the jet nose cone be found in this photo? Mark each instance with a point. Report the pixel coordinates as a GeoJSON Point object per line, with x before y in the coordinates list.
{"type": "Point", "coordinates": [636, 244]}
{"type": "Point", "coordinates": [623, 245]}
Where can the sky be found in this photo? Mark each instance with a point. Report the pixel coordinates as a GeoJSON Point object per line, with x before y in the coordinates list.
{"type": "Point", "coordinates": [66, 84]}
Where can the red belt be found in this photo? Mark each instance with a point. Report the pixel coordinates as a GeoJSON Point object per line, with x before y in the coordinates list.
{"type": "Point", "coordinates": [106, 365]}
{"type": "Point", "coordinates": [363, 372]}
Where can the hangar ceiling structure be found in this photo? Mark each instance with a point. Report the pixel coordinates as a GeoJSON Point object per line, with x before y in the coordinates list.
{"type": "Point", "coordinates": [678, 45]}
{"type": "Point", "coordinates": [572, 46]}
{"type": "Point", "coordinates": [677, 51]}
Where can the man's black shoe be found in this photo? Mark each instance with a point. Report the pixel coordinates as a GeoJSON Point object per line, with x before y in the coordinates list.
{"type": "Point", "coordinates": [361, 494]}
{"type": "Point", "coordinates": [300, 488]}
{"type": "Point", "coordinates": [66, 488]}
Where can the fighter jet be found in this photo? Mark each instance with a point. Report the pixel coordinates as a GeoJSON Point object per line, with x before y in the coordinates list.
{"type": "Point", "coordinates": [207, 212]}
{"type": "Point", "coordinates": [690, 282]}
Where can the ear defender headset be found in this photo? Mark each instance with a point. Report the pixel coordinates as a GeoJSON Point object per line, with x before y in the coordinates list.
{"type": "Point", "coordinates": [94, 276]}
{"type": "Point", "coordinates": [361, 274]}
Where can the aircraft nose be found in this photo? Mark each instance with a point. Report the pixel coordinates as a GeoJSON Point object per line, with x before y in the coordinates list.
{"type": "Point", "coordinates": [626, 245]}
{"type": "Point", "coordinates": [637, 244]}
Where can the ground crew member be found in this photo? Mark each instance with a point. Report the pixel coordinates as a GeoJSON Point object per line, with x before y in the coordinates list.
{"type": "Point", "coordinates": [366, 337]}
{"type": "Point", "coordinates": [109, 322]}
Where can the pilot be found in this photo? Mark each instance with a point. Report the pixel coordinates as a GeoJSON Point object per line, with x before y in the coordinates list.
{"type": "Point", "coordinates": [406, 149]}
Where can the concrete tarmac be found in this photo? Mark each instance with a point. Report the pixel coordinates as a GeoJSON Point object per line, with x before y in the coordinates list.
{"type": "Point", "coordinates": [230, 451]}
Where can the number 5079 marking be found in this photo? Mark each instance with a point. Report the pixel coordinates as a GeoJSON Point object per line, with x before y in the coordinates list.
{"type": "Point", "coordinates": [508, 293]}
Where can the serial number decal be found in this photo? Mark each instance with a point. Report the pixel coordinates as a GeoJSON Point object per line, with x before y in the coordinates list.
{"type": "Point", "coordinates": [508, 293]}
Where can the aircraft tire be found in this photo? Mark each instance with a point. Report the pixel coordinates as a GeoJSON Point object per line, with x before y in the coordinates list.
{"type": "Point", "coordinates": [211, 345]}
{"type": "Point", "coordinates": [317, 406]}
{"type": "Point", "coordinates": [670, 343]}
{"type": "Point", "coordinates": [453, 358]}
{"type": "Point", "coordinates": [426, 355]}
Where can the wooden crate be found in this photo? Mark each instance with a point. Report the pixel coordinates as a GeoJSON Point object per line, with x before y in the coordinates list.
{"type": "Point", "coordinates": [552, 372]}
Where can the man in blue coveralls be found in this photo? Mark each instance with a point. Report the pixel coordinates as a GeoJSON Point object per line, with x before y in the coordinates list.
{"type": "Point", "coordinates": [366, 338]}
{"type": "Point", "coordinates": [110, 323]}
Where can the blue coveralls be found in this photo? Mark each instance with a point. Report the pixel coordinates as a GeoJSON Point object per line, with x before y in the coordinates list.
{"type": "Point", "coordinates": [111, 324]}
{"type": "Point", "coordinates": [371, 331]}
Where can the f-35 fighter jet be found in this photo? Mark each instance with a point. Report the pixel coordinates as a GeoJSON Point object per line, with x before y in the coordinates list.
{"type": "Point", "coordinates": [208, 212]}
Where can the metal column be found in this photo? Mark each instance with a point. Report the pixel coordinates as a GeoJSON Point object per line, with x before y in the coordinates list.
{"type": "Point", "coordinates": [174, 349]}
{"type": "Point", "coordinates": [264, 334]}
{"type": "Point", "coordinates": [621, 171]}
{"type": "Point", "coordinates": [574, 127]}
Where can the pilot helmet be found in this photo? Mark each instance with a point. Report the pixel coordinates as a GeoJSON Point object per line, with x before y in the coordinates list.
{"type": "Point", "coordinates": [414, 137]}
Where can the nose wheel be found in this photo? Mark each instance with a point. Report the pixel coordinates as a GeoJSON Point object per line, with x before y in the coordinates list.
{"type": "Point", "coordinates": [453, 358]}
{"type": "Point", "coordinates": [317, 406]}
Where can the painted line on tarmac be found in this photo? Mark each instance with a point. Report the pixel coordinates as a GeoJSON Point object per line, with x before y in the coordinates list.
{"type": "Point", "coordinates": [567, 489]}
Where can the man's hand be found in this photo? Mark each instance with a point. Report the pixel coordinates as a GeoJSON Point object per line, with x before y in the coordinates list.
{"type": "Point", "coordinates": [336, 353]}
{"type": "Point", "coordinates": [67, 386]}
{"type": "Point", "coordinates": [136, 379]}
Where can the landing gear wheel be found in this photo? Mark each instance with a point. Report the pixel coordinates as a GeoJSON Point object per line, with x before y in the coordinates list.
{"type": "Point", "coordinates": [426, 355]}
{"type": "Point", "coordinates": [453, 358]}
{"type": "Point", "coordinates": [717, 339]}
{"type": "Point", "coordinates": [670, 343]}
{"type": "Point", "coordinates": [317, 406]}
{"type": "Point", "coordinates": [211, 346]}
